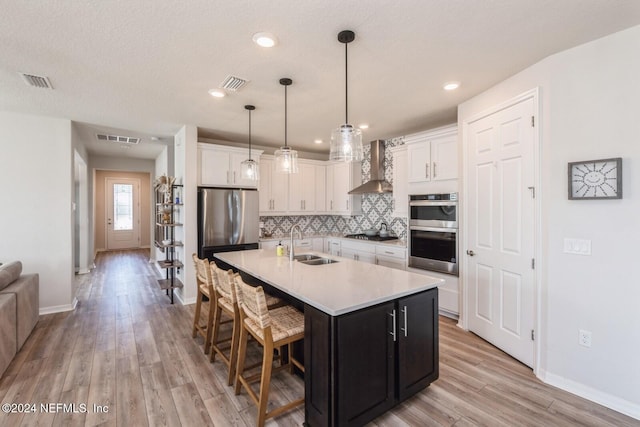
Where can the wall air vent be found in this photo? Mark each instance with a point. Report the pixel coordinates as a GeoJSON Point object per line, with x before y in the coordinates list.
{"type": "Point", "coordinates": [118, 139]}
{"type": "Point", "coordinates": [36, 81]}
{"type": "Point", "coordinates": [233, 83]}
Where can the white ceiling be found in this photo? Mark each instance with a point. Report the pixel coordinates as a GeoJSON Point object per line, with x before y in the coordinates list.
{"type": "Point", "coordinates": [145, 67]}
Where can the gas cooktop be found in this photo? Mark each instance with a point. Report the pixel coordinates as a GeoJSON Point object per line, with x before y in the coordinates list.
{"type": "Point", "coordinates": [373, 238]}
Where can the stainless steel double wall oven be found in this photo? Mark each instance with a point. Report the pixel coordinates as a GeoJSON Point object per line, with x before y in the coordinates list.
{"type": "Point", "coordinates": [433, 232]}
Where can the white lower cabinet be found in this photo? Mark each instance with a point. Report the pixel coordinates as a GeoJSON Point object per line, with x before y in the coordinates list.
{"type": "Point", "coordinates": [358, 251]}
{"type": "Point", "coordinates": [269, 244]}
{"type": "Point", "coordinates": [447, 294]}
{"type": "Point", "coordinates": [333, 246]}
{"type": "Point", "coordinates": [392, 257]}
{"type": "Point", "coordinates": [317, 244]}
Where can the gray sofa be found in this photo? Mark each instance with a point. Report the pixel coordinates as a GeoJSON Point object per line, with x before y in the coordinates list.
{"type": "Point", "coordinates": [19, 309]}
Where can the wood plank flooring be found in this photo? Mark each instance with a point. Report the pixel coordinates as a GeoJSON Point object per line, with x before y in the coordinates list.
{"type": "Point", "coordinates": [127, 349]}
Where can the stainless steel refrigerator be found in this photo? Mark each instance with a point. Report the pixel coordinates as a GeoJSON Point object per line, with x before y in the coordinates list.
{"type": "Point", "coordinates": [228, 220]}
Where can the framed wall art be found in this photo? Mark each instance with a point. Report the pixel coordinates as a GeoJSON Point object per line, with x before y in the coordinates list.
{"type": "Point", "coordinates": [595, 179]}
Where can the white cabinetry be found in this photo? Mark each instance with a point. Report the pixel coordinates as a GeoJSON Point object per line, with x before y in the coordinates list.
{"type": "Point", "coordinates": [333, 246]}
{"type": "Point", "coordinates": [321, 189]}
{"type": "Point", "coordinates": [400, 182]}
{"type": "Point", "coordinates": [433, 155]}
{"type": "Point", "coordinates": [342, 178]}
{"type": "Point", "coordinates": [448, 294]}
{"type": "Point", "coordinates": [302, 190]}
{"type": "Point", "coordinates": [219, 165]}
{"type": "Point", "coordinates": [273, 190]}
{"type": "Point", "coordinates": [392, 257]}
{"type": "Point", "coordinates": [359, 251]}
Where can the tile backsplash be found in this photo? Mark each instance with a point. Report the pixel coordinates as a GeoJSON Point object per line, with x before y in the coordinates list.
{"type": "Point", "coordinates": [376, 208]}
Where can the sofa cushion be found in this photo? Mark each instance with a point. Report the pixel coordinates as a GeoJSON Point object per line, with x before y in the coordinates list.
{"type": "Point", "coordinates": [9, 272]}
{"type": "Point", "coordinates": [27, 292]}
{"type": "Point", "coordinates": [8, 344]}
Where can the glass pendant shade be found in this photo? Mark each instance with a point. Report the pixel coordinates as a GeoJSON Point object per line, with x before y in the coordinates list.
{"type": "Point", "coordinates": [286, 160]}
{"type": "Point", "coordinates": [346, 144]}
{"type": "Point", "coordinates": [249, 170]}
{"type": "Point", "coordinates": [346, 141]}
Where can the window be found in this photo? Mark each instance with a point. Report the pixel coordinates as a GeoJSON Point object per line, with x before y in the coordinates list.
{"type": "Point", "coordinates": [123, 206]}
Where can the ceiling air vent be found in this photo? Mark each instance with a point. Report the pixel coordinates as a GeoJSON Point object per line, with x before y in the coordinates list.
{"type": "Point", "coordinates": [36, 81]}
{"type": "Point", "coordinates": [233, 83]}
{"type": "Point", "coordinates": [118, 139]}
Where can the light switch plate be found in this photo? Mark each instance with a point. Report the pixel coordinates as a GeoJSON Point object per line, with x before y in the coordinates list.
{"type": "Point", "coordinates": [577, 246]}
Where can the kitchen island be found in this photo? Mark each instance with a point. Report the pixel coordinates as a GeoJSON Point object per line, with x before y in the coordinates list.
{"type": "Point", "coordinates": [371, 332]}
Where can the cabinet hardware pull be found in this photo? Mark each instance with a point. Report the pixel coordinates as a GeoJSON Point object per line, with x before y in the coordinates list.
{"type": "Point", "coordinates": [434, 170]}
{"type": "Point", "coordinates": [426, 170]}
{"type": "Point", "coordinates": [234, 177]}
{"type": "Point", "coordinates": [388, 252]}
{"type": "Point", "coordinates": [405, 329]}
{"type": "Point", "coordinates": [347, 204]}
{"type": "Point", "coordinates": [393, 327]}
{"type": "Point", "coordinates": [300, 204]}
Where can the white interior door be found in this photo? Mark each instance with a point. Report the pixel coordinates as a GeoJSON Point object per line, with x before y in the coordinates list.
{"type": "Point", "coordinates": [123, 213]}
{"type": "Point", "coordinates": [500, 231]}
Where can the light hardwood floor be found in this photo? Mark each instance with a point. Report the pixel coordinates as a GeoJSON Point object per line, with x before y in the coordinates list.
{"type": "Point", "coordinates": [125, 347]}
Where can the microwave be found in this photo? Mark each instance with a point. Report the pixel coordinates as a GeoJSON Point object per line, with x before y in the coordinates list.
{"type": "Point", "coordinates": [434, 210]}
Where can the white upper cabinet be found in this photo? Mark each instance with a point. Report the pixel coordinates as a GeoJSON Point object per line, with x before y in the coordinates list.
{"type": "Point", "coordinates": [433, 155]}
{"type": "Point", "coordinates": [321, 189]}
{"type": "Point", "coordinates": [400, 182]}
{"type": "Point", "coordinates": [342, 178]}
{"type": "Point", "coordinates": [219, 166]}
{"type": "Point", "coordinates": [273, 192]}
{"type": "Point", "coordinates": [302, 190]}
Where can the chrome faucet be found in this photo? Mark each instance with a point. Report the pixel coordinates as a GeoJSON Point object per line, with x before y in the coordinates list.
{"type": "Point", "coordinates": [291, 254]}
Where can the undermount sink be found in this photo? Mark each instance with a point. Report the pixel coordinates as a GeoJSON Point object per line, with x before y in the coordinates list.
{"type": "Point", "coordinates": [306, 257]}
{"type": "Point", "coordinates": [319, 261]}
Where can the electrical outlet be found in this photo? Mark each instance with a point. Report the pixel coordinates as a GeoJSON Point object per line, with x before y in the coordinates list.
{"type": "Point", "coordinates": [584, 338]}
{"type": "Point", "coordinates": [577, 246]}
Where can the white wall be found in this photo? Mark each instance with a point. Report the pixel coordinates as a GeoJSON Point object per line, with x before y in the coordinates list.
{"type": "Point", "coordinates": [589, 105]}
{"type": "Point", "coordinates": [36, 219]}
{"type": "Point", "coordinates": [185, 161]}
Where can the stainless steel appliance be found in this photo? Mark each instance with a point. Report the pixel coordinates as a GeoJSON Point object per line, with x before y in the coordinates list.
{"type": "Point", "coordinates": [227, 220]}
{"type": "Point", "coordinates": [433, 232]}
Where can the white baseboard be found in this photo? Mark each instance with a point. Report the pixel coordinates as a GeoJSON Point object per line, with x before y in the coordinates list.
{"type": "Point", "coordinates": [605, 399]}
{"type": "Point", "coordinates": [449, 314]}
{"type": "Point", "coordinates": [58, 308]}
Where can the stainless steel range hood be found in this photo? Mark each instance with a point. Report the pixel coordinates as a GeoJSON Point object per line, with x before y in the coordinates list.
{"type": "Point", "coordinates": [377, 183]}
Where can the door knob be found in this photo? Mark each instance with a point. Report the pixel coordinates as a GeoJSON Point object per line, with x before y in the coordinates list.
{"type": "Point", "coordinates": [470, 253]}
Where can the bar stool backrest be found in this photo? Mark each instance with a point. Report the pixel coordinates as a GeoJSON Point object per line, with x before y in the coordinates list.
{"type": "Point", "coordinates": [253, 302]}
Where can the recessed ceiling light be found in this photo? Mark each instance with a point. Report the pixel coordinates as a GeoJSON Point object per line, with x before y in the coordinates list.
{"type": "Point", "coordinates": [451, 85]}
{"type": "Point", "coordinates": [364, 126]}
{"type": "Point", "coordinates": [318, 141]}
{"type": "Point", "coordinates": [217, 93]}
{"type": "Point", "coordinates": [265, 39]}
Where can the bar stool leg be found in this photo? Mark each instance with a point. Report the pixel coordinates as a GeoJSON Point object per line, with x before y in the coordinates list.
{"type": "Point", "coordinates": [216, 329]}
{"type": "Point", "coordinates": [233, 357]}
{"type": "Point", "coordinates": [242, 353]}
{"type": "Point", "coordinates": [196, 317]}
{"type": "Point", "coordinates": [210, 322]}
{"type": "Point", "coordinates": [265, 381]}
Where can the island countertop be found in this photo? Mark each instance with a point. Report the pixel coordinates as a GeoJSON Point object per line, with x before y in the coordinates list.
{"type": "Point", "coordinates": [335, 288]}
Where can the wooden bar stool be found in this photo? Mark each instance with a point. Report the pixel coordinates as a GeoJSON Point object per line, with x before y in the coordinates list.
{"type": "Point", "coordinates": [227, 303]}
{"type": "Point", "coordinates": [205, 289]}
{"type": "Point", "coordinates": [272, 329]}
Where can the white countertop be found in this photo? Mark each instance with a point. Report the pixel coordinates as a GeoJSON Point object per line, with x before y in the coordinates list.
{"type": "Point", "coordinates": [336, 288]}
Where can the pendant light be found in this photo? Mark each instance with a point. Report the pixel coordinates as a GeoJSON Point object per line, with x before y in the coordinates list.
{"type": "Point", "coordinates": [346, 140]}
{"type": "Point", "coordinates": [286, 158]}
{"type": "Point", "coordinates": [249, 168]}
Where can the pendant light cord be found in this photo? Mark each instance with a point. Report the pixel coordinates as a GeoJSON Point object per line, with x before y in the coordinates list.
{"type": "Point", "coordinates": [346, 85]}
{"type": "Point", "coordinates": [249, 134]}
{"type": "Point", "coordinates": [285, 116]}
